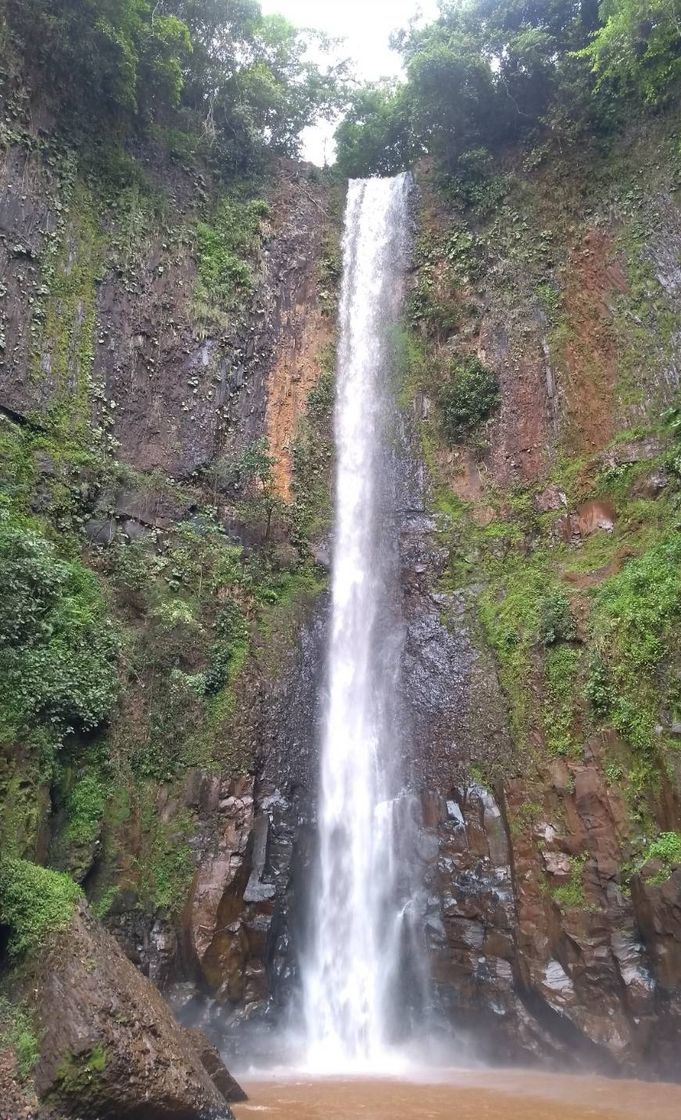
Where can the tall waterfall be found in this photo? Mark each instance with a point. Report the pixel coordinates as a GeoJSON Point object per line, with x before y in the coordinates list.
{"type": "Point", "coordinates": [352, 967]}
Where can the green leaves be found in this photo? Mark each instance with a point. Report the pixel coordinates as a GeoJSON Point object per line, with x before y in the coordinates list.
{"type": "Point", "coordinates": [103, 58]}
{"type": "Point", "coordinates": [58, 648]}
{"type": "Point", "coordinates": [638, 48]}
{"type": "Point", "coordinates": [34, 903]}
{"type": "Point", "coordinates": [227, 247]}
{"type": "Point", "coordinates": [246, 79]}
{"type": "Point", "coordinates": [469, 398]}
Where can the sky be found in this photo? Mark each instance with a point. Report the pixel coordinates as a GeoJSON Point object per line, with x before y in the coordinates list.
{"type": "Point", "coordinates": [365, 25]}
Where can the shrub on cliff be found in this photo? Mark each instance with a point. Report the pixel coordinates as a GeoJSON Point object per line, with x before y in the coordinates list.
{"type": "Point", "coordinates": [34, 902]}
{"type": "Point", "coordinates": [58, 648]}
{"type": "Point", "coordinates": [470, 397]}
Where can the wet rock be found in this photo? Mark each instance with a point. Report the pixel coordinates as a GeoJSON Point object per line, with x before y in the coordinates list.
{"type": "Point", "coordinates": [213, 930]}
{"type": "Point", "coordinates": [557, 864]}
{"type": "Point", "coordinates": [589, 518]}
{"type": "Point", "coordinates": [556, 986]}
{"type": "Point", "coordinates": [658, 908]}
{"type": "Point", "coordinates": [652, 485]}
{"type": "Point", "coordinates": [101, 531]}
{"type": "Point", "coordinates": [214, 1066]}
{"type": "Point", "coordinates": [110, 1047]}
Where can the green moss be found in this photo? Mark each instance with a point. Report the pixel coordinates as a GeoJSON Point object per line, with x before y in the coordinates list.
{"type": "Point", "coordinates": [85, 809]}
{"type": "Point", "coordinates": [77, 1075]}
{"type": "Point", "coordinates": [521, 610]}
{"type": "Point", "coordinates": [561, 665]}
{"type": "Point", "coordinates": [166, 869]}
{"type": "Point", "coordinates": [312, 457]}
{"type": "Point", "coordinates": [633, 629]}
{"type": "Point", "coordinates": [25, 771]}
{"type": "Point", "coordinates": [68, 317]}
{"type": "Point", "coordinates": [226, 249]}
{"type": "Point", "coordinates": [58, 647]}
{"type": "Point", "coordinates": [34, 903]}
{"type": "Point", "coordinates": [17, 1031]}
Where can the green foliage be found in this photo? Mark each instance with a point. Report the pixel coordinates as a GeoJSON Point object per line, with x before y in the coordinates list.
{"type": "Point", "coordinates": [18, 1032]}
{"type": "Point", "coordinates": [487, 73]}
{"type": "Point", "coordinates": [226, 250]}
{"type": "Point", "coordinates": [528, 621]}
{"type": "Point", "coordinates": [638, 48]}
{"type": "Point", "coordinates": [85, 809]}
{"type": "Point", "coordinates": [34, 903]}
{"type": "Point", "coordinates": [113, 58]}
{"type": "Point", "coordinates": [561, 663]}
{"type": "Point", "coordinates": [58, 648]}
{"type": "Point", "coordinates": [168, 866]}
{"type": "Point", "coordinates": [470, 397]}
{"type": "Point", "coordinates": [666, 849]}
{"type": "Point", "coordinates": [235, 81]}
{"type": "Point", "coordinates": [556, 623]}
{"type": "Point", "coordinates": [633, 621]}
{"type": "Point", "coordinates": [253, 476]}
{"type": "Point", "coordinates": [373, 137]}
{"type": "Point", "coordinates": [570, 895]}
{"type": "Point", "coordinates": [231, 634]}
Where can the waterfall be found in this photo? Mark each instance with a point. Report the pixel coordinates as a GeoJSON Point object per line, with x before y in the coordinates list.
{"type": "Point", "coordinates": [352, 967]}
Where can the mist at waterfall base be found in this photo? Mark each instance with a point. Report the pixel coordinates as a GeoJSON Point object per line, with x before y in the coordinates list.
{"type": "Point", "coordinates": [363, 970]}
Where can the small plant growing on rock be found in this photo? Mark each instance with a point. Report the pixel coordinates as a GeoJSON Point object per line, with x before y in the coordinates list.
{"type": "Point", "coordinates": [556, 623]}
{"type": "Point", "coordinates": [468, 399]}
{"type": "Point", "coordinates": [666, 850]}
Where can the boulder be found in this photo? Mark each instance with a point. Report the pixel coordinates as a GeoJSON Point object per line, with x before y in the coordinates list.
{"type": "Point", "coordinates": [215, 1067]}
{"type": "Point", "coordinates": [110, 1047]}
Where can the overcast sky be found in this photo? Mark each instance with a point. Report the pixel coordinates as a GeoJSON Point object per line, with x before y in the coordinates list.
{"type": "Point", "coordinates": [366, 26]}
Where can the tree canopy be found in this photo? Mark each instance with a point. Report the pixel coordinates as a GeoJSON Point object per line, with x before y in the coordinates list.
{"type": "Point", "coordinates": [243, 80]}
{"type": "Point", "coordinates": [487, 72]}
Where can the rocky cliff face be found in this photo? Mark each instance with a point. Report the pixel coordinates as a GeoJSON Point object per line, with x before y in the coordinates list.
{"type": "Point", "coordinates": [551, 769]}
{"type": "Point", "coordinates": [168, 430]}
{"type": "Point", "coordinates": [540, 573]}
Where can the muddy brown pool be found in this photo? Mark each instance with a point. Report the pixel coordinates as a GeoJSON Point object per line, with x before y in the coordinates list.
{"type": "Point", "coordinates": [469, 1095]}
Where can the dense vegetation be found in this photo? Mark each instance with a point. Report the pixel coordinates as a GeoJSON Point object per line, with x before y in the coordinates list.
{"type": "Point", "coordinates": [491, 73]}
{"type": "Point", "coordinates": [234, 81]}
{"type": "Point", "coordinates": [122, 659]}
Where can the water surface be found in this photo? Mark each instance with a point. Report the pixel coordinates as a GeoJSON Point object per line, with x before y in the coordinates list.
{"type": "Point", "coordinates": [474, 1095]}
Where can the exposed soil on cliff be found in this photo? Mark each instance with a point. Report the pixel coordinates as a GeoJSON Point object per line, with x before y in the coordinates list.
{"type": "Point", "coordinates": [593, 276]}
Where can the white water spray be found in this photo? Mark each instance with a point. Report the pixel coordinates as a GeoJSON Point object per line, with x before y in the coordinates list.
{"type": "Point", "coordinates": [351, 971]}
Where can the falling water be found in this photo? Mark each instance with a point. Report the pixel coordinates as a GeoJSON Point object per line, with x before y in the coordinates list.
{"type": "Point", "coordinates": [352, 967]}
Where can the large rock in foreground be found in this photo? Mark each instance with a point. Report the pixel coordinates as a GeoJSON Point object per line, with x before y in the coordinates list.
{"type": "Point", "coordinates": [111, 1049]}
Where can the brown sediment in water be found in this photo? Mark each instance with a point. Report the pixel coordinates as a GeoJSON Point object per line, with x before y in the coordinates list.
{"type": "Point", "coordinates": [465, 1095]}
